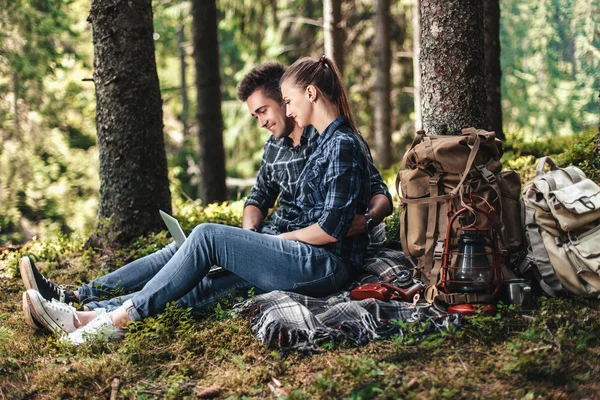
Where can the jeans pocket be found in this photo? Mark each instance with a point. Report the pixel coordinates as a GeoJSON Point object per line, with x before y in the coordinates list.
{"type": "Point", "coordinates": [318, 287]}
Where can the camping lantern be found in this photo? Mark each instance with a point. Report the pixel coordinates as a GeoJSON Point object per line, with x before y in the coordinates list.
{"type": "Point", "coordinates": [471, 271]}
{"type": "Point", "coordinates": [473, 267]}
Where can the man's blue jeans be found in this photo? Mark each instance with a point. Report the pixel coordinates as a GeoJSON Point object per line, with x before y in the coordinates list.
{"type": "Point", "coordinates": [254, 259]}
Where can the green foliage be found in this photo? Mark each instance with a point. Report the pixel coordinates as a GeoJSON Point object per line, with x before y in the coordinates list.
{"type": "Point", "coordinates": [191, 214]}
{"type": "Point", "coordinates": [550, 61]}
{"type": "Point", "coordinates": [522, 152]}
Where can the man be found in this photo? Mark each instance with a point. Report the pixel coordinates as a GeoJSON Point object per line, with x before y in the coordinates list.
{"type": "Point", "coordinates": [284, 158]}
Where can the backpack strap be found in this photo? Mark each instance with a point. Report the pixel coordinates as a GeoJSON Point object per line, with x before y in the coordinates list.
{"type": "Point", "coordinates": [461, 298]}
{"type": "Point", "coordinates": [432, 219]}
{"type": "Point", "coordinates": [418, 139]}
{"type": "Point", "coordinates": [548, 279]}
{"type": "Point", "coordinates": [543, 161]}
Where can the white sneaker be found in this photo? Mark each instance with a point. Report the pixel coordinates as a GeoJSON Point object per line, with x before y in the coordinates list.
{"type": "Point", "coordinates": [100, 327]}
{"type": "Point", "coordinates": [53, 315]}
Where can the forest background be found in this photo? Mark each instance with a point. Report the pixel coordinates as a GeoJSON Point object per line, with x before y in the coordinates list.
{"type": "Point", "coordinates": [49, 190]}
{"type": "Point", "coordinates": [48, 156]}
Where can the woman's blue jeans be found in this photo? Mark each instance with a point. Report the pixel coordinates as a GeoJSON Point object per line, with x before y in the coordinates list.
{"type": "Point", "coordinates": [254, 260]}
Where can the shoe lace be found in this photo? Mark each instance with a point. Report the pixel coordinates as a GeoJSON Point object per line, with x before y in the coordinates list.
{"type": "Point", "coordinates": [57, 289]}
{"type": "Point", "coordinates": [62, 307]}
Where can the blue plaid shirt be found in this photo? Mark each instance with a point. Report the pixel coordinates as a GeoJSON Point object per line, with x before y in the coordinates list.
{"type": "Point", "coordinates": [279, 173]}
{"type": "Point", "coordinates": [334, 186]}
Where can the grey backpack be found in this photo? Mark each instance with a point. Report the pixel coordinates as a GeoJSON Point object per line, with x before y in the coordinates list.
{"type": "Point", "coordinates": [562, 221]}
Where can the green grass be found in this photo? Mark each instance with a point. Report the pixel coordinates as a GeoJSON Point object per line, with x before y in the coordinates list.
{"type": "Point", "coordinates": [551, 352]}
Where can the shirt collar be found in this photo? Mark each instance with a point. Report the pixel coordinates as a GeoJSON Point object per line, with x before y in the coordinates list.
{"type": "Point", "coordinates": [308, 133]}
{"type": "Point", "coordinates": [331, 128]}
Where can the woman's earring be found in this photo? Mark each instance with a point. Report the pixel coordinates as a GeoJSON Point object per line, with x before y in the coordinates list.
{"type": "Point", "coordinates": [313, 101]}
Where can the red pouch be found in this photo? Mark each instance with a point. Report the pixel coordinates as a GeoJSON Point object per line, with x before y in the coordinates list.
{"type": "Point", "coordinates": [385, 291]}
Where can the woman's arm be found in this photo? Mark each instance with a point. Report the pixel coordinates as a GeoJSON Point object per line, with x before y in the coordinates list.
{"type": "Point", "coordinates": [310, 235]}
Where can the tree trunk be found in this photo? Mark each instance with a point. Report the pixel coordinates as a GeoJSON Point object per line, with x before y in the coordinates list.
{"type": "Point", "coordinates": [416, 22]}
{"type": "Point", "coordinates": [183, 88]}
{"type": "Point", "coordinates": [211, 160]}
{"type": "Point", "coordinates": [493, 72]}
{"type": "Point", "coordinates": [333, 32]}
{"type": "Point", "coordinates": [452, 65]}
{"type": "Point", "coordinates": [383, 137]}
{"type": "Point", "coordinates": [133, 164]}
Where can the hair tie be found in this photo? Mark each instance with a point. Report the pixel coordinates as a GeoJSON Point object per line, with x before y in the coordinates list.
{"type": "Point", "coordinates": [323, 61]}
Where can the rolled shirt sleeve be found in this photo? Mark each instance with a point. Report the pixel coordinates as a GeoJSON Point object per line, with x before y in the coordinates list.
{"type": "Point", "coordinates": [264, 193]}
{"type": "Point", "coordinates": [344, 183]}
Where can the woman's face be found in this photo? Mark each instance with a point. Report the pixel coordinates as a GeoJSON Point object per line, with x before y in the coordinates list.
{"type": "Point", "coordinates": [297, 103]}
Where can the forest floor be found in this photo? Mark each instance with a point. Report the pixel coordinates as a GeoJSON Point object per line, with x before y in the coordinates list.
{"type": "Point", "coordinates": [552, 352]}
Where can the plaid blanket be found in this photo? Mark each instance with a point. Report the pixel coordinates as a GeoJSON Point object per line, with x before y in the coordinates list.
{"type": "Point", "coordinates": [291, 321]}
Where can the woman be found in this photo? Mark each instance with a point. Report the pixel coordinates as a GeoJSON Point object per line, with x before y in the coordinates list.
{"type": "Point", "coordinates": [312, 257]}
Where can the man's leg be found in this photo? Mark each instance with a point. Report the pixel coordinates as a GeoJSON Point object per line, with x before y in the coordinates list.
{"type": "Point", "coordinates": [127, 279]}
{"type": "Point", "coordinates": [207, 293]}
{"type": "Point", "coordinates": [267, 262]}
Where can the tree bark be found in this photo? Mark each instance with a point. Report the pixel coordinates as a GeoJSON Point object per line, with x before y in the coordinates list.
{"type": "Point", "coordinates": [452, 65]}
{"type": "Point", "coordinates": [493, 71]}
{"type": "Point", "coordinates": [383, 137]}
{"type": "Point", "coordinates": [416, 22]}
{"type": "Point", "coordinates": [333, 32]}
{"type": "Point", "coordinates": [211, 160]}
{"type": "Point", "coordinates": [133, 165]}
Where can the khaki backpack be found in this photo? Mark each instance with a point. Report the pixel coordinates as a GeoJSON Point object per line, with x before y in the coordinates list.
{"type": "Point", "coordinates": [562, 216]}
{"type": "Point", "coordinates": [436, 176]}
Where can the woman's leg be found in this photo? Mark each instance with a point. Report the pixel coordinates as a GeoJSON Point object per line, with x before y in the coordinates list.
{"type": "Point", "coordinates": [267, 262]}
{"type": "Point", "coordinates": [127, 279]}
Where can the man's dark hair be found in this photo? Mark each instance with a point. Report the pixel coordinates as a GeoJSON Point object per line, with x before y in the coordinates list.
{"type": "Point", "coordinates": [265, 77]}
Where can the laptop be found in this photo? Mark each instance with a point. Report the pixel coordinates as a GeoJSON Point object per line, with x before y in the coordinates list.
{"type": "Point", "coordinates": [179, 236]}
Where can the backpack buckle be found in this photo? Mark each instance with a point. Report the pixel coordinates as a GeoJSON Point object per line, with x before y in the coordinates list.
{"type": "Point", "coordinates": [438, 251]}
{"type": "Point", "coordinates": [486, 174]}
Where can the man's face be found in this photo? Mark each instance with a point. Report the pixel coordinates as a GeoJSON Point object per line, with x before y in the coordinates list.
{"type": "Point", "coordinates": [270, 114]}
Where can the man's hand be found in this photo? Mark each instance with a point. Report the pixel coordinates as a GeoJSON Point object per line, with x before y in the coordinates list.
{"type": "Point", "coordinates": [359, 225]}
{"type": "Point", "coordinates": [379, 208]}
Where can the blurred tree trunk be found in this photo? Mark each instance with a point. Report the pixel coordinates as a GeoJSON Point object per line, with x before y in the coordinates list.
{"type": "Point", "coordinates": [493, 71]}
{"type": "Point", "coordinates": [16, 123]}
{"type": "Point", "coordinates": [133, 164]}
{"type": "Point", "coordinates": [452, 65]}
{"type": "Point", "coordinates": [416, 23]}
{"type": "Point", "coordinates": [183, 88]}
{"type": "Point", "coordinates": [333, 32]}
{"type": "Point", "coordinates": [211, 160]}
{"type": "Point", "coordinates": [383, 137]}
{"type": "Point", "coordinates": [597, 147]}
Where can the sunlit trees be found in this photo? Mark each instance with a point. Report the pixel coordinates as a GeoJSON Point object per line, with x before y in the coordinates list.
{"type": "Point", "coordinates": [133, 165]}
{"type": "Point", "coordinates": [382, 84]}
{"type": "Point", "coordinates": [333, 33]}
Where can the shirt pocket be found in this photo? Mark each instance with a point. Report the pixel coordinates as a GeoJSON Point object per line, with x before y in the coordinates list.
{"type": "Point", "coordinates": [312, 186]}
{"type": "Point", "coordinates": [282, 177]}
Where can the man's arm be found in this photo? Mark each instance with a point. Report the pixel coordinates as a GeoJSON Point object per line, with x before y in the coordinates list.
{"type": "Point", "coordinates": [379, 208]}
{"type": "Point", "coordinates": [252, 217]}
{"type": "Point", "coordinates": [263, 194]}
